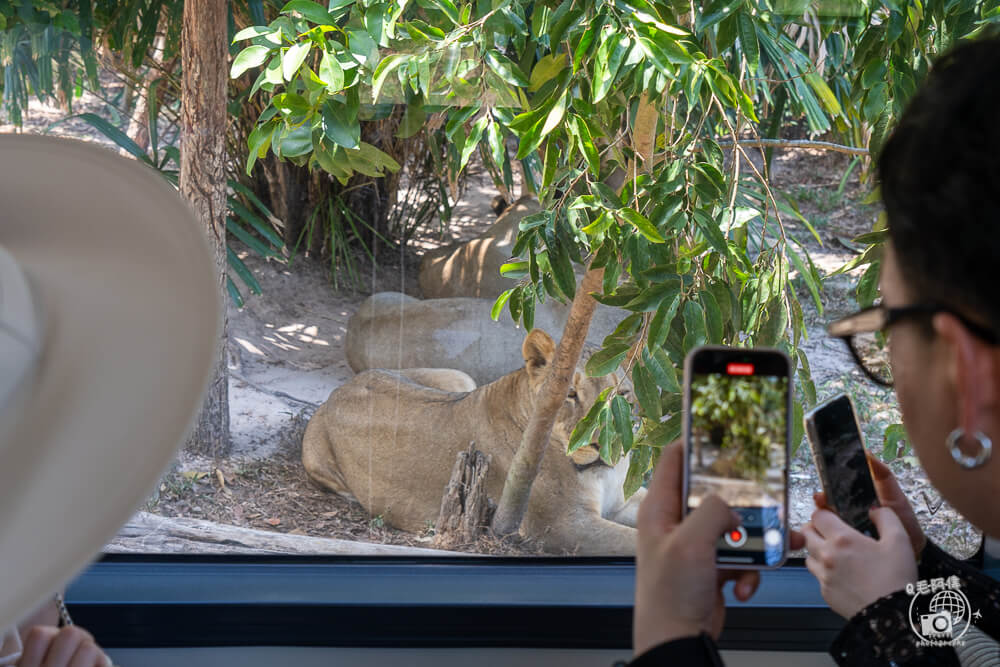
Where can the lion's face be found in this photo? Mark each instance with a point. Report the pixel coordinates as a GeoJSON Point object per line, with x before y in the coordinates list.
{"type": "Point", "coordinates": [539, 350]}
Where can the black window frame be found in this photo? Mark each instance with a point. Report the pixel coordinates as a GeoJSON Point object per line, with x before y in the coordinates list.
{"type": "Point", "coordinates": [172, 601]}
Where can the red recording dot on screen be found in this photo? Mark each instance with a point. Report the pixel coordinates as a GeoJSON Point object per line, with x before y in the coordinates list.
{"type": "Point", "coordinates": [735, 535]}
{"type": "Point", "coordinates": [739, 369]}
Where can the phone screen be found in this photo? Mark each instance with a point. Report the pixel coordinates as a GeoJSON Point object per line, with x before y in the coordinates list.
{"type": "Point", "coordinates": [846, 476]}
{"type": "Point", "coordinates": [738, 447]}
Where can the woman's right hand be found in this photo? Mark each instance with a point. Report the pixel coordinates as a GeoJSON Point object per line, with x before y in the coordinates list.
{"type": "Point", "coordinates": [890, 495]}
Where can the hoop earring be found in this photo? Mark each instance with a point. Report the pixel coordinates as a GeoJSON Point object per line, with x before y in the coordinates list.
{"type": "Point", "coordinates": [970, 462]}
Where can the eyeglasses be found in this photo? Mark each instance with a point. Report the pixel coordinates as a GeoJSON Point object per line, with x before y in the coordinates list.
{"type": "Point", "coordinates": [864, 334]}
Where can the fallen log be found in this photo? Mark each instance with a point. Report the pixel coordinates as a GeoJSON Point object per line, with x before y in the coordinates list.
{"type": "Point", "coordinates": [151, 533]}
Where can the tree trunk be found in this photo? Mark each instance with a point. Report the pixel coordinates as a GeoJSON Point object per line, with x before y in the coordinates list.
{"type": "Point", "coordinates": [465, 507]}
{"type": "Point", "coordinates": [138, 125]}
{"type": "Point", "coordinates": [528, 458]}
{"type": "Point", "coordinates": [552, 395]}
{"type": "Point", "coordinates": [204, 59]}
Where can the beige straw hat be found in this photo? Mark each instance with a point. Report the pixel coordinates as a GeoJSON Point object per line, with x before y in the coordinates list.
{"type": "Point", "coordinates": [109, 317]}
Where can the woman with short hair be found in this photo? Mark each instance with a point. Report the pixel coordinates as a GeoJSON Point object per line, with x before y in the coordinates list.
{"type": "Point", "coordinates": [940, 181]}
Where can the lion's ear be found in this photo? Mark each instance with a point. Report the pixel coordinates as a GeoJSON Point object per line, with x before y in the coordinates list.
{"type": "Point", "coordinates": [538, 350]}
{"type": "Point", "coordinates": [585, 455]}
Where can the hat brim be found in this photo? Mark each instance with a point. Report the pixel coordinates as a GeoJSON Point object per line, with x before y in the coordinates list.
{"type": "Point", "coordinates": [128, 295]}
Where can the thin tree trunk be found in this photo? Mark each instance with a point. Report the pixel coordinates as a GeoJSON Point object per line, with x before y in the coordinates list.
{"type": "Point", "coordinates": [528, 458]}
{"type": "Point", "coordinates": [204, 60]}
{"type": "Point", "coordinates": [138, 125]}
{"type": "Point", "coordinates": [524, 467]}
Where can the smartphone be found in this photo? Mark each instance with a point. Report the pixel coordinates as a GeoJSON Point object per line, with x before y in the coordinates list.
{"type": "Point", "coordinates": [737, 428]}
{"type": "Point", "coordinates": [839, 453]}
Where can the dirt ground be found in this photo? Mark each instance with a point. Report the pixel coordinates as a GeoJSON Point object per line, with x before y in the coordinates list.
{"type": "Point", "coordinates": [286, 356]}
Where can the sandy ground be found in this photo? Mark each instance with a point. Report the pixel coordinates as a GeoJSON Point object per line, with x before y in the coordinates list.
{"type": "Point", "coordinates": [286, 356]}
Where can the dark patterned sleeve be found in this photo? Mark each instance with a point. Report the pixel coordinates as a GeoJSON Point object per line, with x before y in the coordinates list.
{"type": "Point", "coordinates": [697, 651]}
{"type": "Point", "coordinates": [880, 634]}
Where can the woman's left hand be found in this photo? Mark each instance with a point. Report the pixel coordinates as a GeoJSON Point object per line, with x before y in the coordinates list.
{"type": "Point", "coordinates": [853, 569]}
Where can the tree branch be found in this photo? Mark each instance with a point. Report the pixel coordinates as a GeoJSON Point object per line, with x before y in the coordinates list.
{"type": "Point", "coordinates": [797, 143]}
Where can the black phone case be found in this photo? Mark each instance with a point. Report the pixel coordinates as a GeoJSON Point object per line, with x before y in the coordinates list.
{"type": "Point", "coordinates": [865, 526]}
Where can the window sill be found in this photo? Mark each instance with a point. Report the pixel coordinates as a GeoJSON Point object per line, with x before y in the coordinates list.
{"type": "Point", "coordinates": [186, 601]}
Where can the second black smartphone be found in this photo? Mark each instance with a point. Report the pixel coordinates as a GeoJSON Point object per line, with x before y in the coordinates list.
{"type": "Point", "coordinates": [839, 453]}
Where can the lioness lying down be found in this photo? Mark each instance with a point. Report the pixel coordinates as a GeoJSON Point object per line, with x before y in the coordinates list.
{"type": "Point", "coordinates": [389, 439]}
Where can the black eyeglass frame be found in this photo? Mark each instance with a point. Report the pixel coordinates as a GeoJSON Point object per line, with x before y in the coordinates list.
{"type": "Point", "coordinates": [893, 316]}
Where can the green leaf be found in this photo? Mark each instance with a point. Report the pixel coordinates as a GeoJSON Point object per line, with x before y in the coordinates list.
{"type": "Point", "coordinates": [251, 32]}
{"type": "Point", "coordinates": [448, 8]}
{"type": "Point", "coordinates": [472, 141]}
{"type": "Point", "coordinates": [339, 126]}
{"type": "Point", "coordinates": [499, 304]}
{"type": "Point", "coordinates": [605, 438]}
{"type": "Point", "coordinates": [666, 432]}
{"type": "Point", "coordinates": [798, 426]}
{"type": "Point", "coordinates": [894, 435]}
{"type": "Point", "coordinates": [584, 429]}
{"type": "Point", "coordinates": [562, 270]}
{"type": "Point", "coordinates": [748, 40]}
{"type": "Point", "coordinates": [546, 69]}
{"type": "Point", "coordinates": [331, 72]}
{"type": "Point", "coordinates": [622, 413]}
{"type": "Point", "coordinates": [514, 270]}
{"type": "Point", "coordinates": [715, 12]}
{"type": "Point", "coordinates": [807, 276]}
{"type": "Point", "coordinates": [661, 369]}
{"type": "Point", "coordinates": [824, 93]}
{"type": "Point", "coordinates": [292, 59]}
{"type": "Point", "coordinates": [556, 113]}
{"type": "Point", "coordinates": [310, 11]}
{"type": "Point", "coordinates": [237, 265]}
{"type": "Point", "coordinates": [292, 143]}
{"type": "Point", "coordinates": [805, 375]}
{"type": "Point", "coordinates": [659, 328]}
{"type": "Point", "coordinates": [609, 59]}
{"type": "Point", "coordinates": [252, 219]}
{"type": "Point", "coordinates": [383, 70]}
{"type": "Point", "coordinates": [606, 360]}
{"type": "Point", "coordinates": [641, 223]}
{"type": "Point", "coordinates": [252, 56]}
{"type": "Point", "coordinates": [505, 68]}
{"type": "Point", "coordinates": [867, 289]}
{"type": "Point", "coordinates": [775, 323]}
{"type": "Point", "coordinates": [638, 465]}
{"type": "Point", "coordinates": [113, 133]}
{"type": "Point", "coordinates": [650, 298]}
{"type": "Point", "coordinates": [646, 392]}
{"type": "Point", "coordinates": [873, 73]}
{"type": "Point", "coordinates": [413, 120]}
{"type": "Point", "coordinates": [249, 239]}
{"type": "Point", "coordinates": [713, 317]}
{"type": "Point", "coordinates": [694, 326]}
{"type": "Point", "coordinates": [710, 228]}
{"type": "Point", "coordinates": [586, 141]}
{"type": "Point", "coordinates": [234, 293]}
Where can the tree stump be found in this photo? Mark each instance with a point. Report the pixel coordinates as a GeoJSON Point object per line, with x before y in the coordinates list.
{"type": "Point", "coordinates": [466, 510]}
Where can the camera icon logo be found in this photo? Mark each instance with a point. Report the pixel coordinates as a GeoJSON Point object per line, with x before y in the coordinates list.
{"type": "Point", "coordinates": [939, 611]}
{"type": "Point", "coordinates": [937, 625]}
